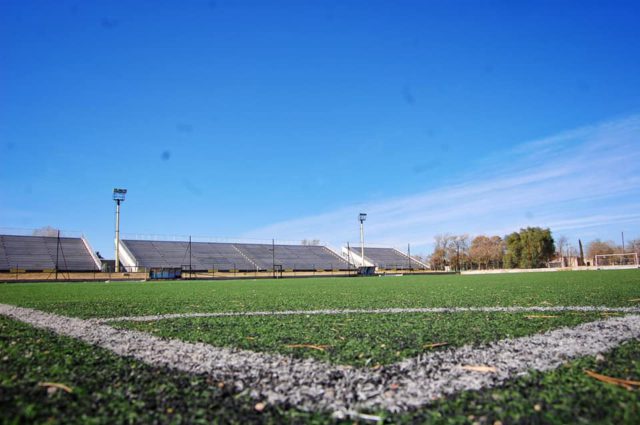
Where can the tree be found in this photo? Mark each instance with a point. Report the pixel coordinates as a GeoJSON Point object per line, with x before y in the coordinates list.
{"type": "Point", "coordinates": [46, 231]}
{"type": "Point", "coordinates": [486, 250]}
{"type": "Point", "coordinates": [634, 246]}
{"type": "Point", "coordinates": [581, 260]}
{"type": "Point", "coordinates": [538, 247]}
{"type": "Point", "coordinates": [450, 250]}
{"type": "Point", "coordinates": [496, 250]}
{"type": "Point", "coordinates": [598, 247]}
{"type": "Point", "coordinates": [458, 251]}
{"type": "Point", "coordinates": [442, 241]}
{"type": "Point", "coordinates": [562, 247]}
{"type": "Point", "coordinates": [532, 247]}
{"type": "Point", "coordinates": [513, 250]}
{"type": "Point", "coordinates": [438, 259]}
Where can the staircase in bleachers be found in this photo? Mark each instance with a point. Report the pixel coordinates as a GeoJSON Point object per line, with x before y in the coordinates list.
{"type": "Point", "coordinates": [389, 259]}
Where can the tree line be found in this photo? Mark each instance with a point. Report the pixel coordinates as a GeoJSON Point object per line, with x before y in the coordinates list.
{"type": "Point", "coordinates": [533, 247]}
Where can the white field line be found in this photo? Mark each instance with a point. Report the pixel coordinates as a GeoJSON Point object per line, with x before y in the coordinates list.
{"type": "Point", "coordinates": [553, 309]}
{"type": "Point", "coordinates": [312, 385]}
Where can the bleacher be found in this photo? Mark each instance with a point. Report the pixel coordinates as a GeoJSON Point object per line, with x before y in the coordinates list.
{"type": "Point", "coordinates": [204, 256]}
{"type": "Point", "coordinates": [294, 257]}
{"type": "Point", "coordinates": [389, 259]}
{"type": "Point", "coordinates": [175, 254]}
{"type": "Point", "coordinates": [41, 253]}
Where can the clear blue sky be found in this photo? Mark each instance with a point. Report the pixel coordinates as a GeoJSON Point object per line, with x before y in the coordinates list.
{"type": "Point", "coordinates": [283, 119]}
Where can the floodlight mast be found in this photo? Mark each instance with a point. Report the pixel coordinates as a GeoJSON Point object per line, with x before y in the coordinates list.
{"type": "Point", "coordinates": [118, 196]}
{"type": "Point", "coordinates": [362, 217]}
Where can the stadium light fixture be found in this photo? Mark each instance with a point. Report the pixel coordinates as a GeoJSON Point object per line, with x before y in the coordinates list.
{"type": "Point", "coordinates": [362, 217]}
{"type": "Point", "coordinates": [118, 196]}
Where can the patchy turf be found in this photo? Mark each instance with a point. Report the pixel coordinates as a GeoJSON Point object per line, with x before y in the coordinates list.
{"type": "Point", "coordinates": [565, 395]}
{"type": "Point", "coordinates": [107, 388]}
{"type": "Point", "coordinates": [611, 288]}
{"type": "Point", "coordinates": [110, 389]}
{"type": "Point", "coordinates": [360, 340]}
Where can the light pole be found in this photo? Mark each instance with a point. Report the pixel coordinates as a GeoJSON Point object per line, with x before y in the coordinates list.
{"type": "Point", "coordinates": [118, 196]}
{"type": "Point", "coordinates": [362, 217]}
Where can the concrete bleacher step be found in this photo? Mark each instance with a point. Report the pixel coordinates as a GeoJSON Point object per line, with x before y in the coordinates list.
{"type": "Point", "coordinates": [246, 257]}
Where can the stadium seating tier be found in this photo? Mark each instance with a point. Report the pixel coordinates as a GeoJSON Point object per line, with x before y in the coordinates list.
{"type": "Point", "coordinates": [203, 256]}
{"type": "Point", "coordinates": [37, 253]}
{"type": "Point", "coordinates": [389, 258]}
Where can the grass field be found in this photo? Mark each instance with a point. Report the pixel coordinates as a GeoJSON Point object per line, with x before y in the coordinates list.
{"type": "Point", "coordinates": [111, 388]}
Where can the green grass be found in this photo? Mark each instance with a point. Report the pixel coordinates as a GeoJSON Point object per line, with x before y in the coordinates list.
{"type": "Point", "coordinates": [362, 339]}
{"type": "Point", "coordinates": [110, 389]}
{"type": "Point", "coordinates": [564, 395]}
{"type": "Point", "coordinates": [611, 288]}
{"type": "Point", "coordinates": [107, 389]}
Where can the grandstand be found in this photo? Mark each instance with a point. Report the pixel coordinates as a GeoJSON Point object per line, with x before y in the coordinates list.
{"type": "Point", "coordinates": [294, 257]}
{"type": "Point", "coordinates": [46, 253]}
{"type": "Point", "coordinates": [198, 256]}
{"type": "Point", "coordinates": [204, 256]}
{"type": "Point", "coordinates": [384, 258]}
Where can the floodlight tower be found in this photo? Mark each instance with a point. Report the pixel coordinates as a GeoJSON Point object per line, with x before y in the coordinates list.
{"type": "Point", "coordinates": [362, 217]}
{"type": "Point", "coordinates": [118, 196]}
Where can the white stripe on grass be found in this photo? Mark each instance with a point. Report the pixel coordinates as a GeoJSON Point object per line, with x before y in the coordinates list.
{"type": "Point", "coordinates": [515, 309]}
{"type": "Point", "coordinates": [312, 385]}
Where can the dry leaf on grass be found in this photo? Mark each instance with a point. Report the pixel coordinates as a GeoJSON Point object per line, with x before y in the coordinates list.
{"type": "Point", "coordinates": [57, 385]}
{"type": "Point", "coordinates": [435, 344]}
{"type": "Point", "coordinates": [635, 300]}
{"type": "Point", "coordinates": [540, 316]}
{"type": "Point", "coordinates": [480, 368]}
{"type": "Point", "coordinates": [615, 381]}
{"type": "Point", "coordinates": [367, 417]}
{"type": "Point", "coordinates": [313, 347]}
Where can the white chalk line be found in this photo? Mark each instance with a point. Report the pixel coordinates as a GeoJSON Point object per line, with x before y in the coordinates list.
{"type": "Point", "coordinates": [514, 309]}
{"type": "Point", "coordinates": [315, 385]}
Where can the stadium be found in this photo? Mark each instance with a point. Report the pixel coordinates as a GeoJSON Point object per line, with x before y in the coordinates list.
{"type": "Point", "coordinates": [319, 212]}
{"type": "Point", "coordinates": [193, 331]}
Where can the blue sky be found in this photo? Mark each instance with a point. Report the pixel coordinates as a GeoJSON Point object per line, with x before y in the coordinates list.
{"type": "Point", "coordinates": [238, 119]}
